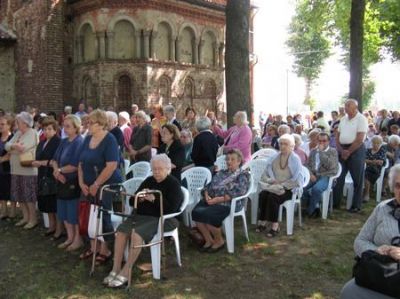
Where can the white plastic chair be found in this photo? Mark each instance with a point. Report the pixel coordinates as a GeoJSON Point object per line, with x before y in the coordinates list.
{"type": "Point", "coordinates": [229, 221]}
{"type": "Point", "coordinates": [326, 195]}
{"type": "Point", "coordinates": [155, 250]}
{"type": "Point", "coordinates": [131, 187]}
{"type": "Point", "coordinates": [348, 190]}
{"type": "Point", "coordinates": [379, 182]}
{"type": "Point", "coordinates": [127, 163]}
{"type": "Point", "coordinates": [263, 153]}
{"type": "Point", "coordinates": [221, 162]}
{"type": "Point", "coordinates": [140, 169]}
{"type": "Point", "coordinates": [257, 168]}
{"type": "Point", "coordinates": [196, 178]}
{"type": "Point", "coordinates": [290, 204]}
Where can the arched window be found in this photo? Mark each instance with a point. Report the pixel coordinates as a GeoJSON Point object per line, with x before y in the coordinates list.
{"type": "Point", "coordinates": [162, 42]}
{"type": "Point", "coordinates": [188, 92]}
{"type": "Point", "coordinates": [164, 90]}
{"type": "Point", "coordinates": [207, 50]}
{"type": "Point", "coordinates": [88, 43]}
{"type": "Point", "coordinates": [124, 92]}
{"type": "Point", "coordinates": [89, 92]}
{"type": "Point", "coordinates": [124, 40]}
{"type": "Point", "coordinates": [186, 45]}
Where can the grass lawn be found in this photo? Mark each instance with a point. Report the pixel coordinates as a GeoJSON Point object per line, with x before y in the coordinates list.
{"type": "Point", "coordinates": [313, 263]}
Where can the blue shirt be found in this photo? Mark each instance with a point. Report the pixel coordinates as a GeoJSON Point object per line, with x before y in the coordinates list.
{"type": "Point", "coordinates": [68, 154]}
{"type": "Point", "coordinates": [93, 161]}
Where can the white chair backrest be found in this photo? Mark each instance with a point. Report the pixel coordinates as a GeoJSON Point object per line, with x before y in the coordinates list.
{"type": "Point", "coordinates": [257, 168]}
{"type": "Point", "coordinates": [221, 162]}
{"type": "Point", "coordinates": [263, 153]}
{"type": "Point", "coordinates": [131, 187]}
{"type": "Point", "coordinates": [196, 178]}
{"type": "Point", "coordinates": [140, 169]}
{"type": "Point", "coordinates": [306, 176]}
{"type": "Point", "coordinates": [126, 165]}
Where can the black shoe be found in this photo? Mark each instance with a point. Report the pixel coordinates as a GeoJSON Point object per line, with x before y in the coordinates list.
{"type": "Point", "coordinates": [354, 210]}
{"type": "Point", "coordinates": [316, 214]}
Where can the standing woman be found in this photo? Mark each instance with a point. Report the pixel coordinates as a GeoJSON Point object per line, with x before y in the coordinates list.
{"type": "Point", "coordinates": [44, 154]}
{"type": "Point", "coordinates": [22, 148]}
{"type": "Point", "coordinates": [156, 123]}
{"type": "Point", "coordinates": [189, 123]}
{"type": "Point", "coordinates": [65, 171]}
{"type": "Point", "coordinates": [98, 166]}
{"type": "Point", "coordinates": [140, 144]}
{"type": "Point", "coordinates": [6, 124]}
{"type": "Point", "coordinates": [174, 149]}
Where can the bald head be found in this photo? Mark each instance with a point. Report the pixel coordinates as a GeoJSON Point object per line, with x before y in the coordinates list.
{"type": "Point", "coordinates": [351, 107]}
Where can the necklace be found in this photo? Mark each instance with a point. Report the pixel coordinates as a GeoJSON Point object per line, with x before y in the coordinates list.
{"type": "Point", "coordinates": [280, 162]}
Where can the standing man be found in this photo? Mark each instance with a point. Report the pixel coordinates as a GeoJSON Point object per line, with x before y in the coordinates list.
{"type": "Point", "coordinates": [350, 138]}
{"type": "Point", "coordinates": [81, 110]}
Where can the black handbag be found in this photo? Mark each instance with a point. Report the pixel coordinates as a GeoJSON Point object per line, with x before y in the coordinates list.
{"type": "Point", "coordinates": [47, 184]}
{"type": "Point", "coordinates": [378, 272]}
{"type": "Point", "coordinates": [69, 190]}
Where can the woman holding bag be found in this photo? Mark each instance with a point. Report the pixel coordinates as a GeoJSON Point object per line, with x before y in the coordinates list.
{"type": "Point", "coordinates": [65, 165]}
{"type": "Point", "coordinates": [22, 149]}
{"type": "Point", "coordinates": [98, 165]}
{"type": "Point", "coordinates": [47, 200]}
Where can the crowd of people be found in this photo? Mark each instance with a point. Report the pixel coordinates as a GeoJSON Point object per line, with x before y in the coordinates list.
{"type": "Point", "coordinates": [54, 161]}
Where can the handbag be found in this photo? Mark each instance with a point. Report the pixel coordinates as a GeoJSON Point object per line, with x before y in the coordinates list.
{"type": "Point", "coordinates": [92, 224]}
{"type": "Point", "coordinates": [69, 190]}
{"type": "Point", "coordinates": [26, 159]}
{"type": "Point", "coordinates": [378, 272]}
{"type": "Point", "coordinates": [47, 184]}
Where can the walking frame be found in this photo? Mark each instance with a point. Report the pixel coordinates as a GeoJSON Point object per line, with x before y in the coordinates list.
{"type": "Point", "coordinates": [121, 192]}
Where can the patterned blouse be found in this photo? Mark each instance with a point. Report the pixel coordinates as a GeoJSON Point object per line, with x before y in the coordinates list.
{"type": "Point", "coordinates": [230, 183]}
{"type": "Point", "coordinates": [379, 155]}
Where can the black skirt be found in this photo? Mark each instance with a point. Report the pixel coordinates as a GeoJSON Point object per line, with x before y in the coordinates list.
{"type": "Point", "coordinates": [47, 204]}
{"type": "Point", "coordinates": [213, 215]}
{"type": "Point", "coordinates": [5, 186]}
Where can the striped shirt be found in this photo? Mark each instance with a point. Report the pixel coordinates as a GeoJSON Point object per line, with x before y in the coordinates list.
{"type": "Point", "coordinates": [380, 228]}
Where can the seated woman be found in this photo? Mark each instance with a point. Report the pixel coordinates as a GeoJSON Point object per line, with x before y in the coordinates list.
{"type": "Point", "coordinates": [215, 206]}
{"type": "Point", "coordinates": [283, 174]}
{"type": "Point", "coordinates": [145, 223]}
{"type": "Point", "coordinates": [298, 150]}
{"type": "Point", "coordinates": [374, 160]}
{"type": "Point", "coordinates": [377, 234]}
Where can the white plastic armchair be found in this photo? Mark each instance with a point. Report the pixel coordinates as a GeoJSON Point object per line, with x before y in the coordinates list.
{"type": "Point", "coordinates": [290, 205]}
{"type": "Point", "coordinates": [327, 194]}
{"type": "Point", "coordinates": [155, 250]}
{"type": "Point", "coordinates": [140, 169]}
{"type": "Point", "coordinates": [263, 153]}
{"type": "Point", "coordinates": [379, 182]}
{"type": "Point", "coordinates": [131, 187]}
{"type": "Point", "coordinates": [229, 221]}
{"type": "Point", "coordinates": [257, 168]}
{"type": "Point", "coordinates": [196, 178]}
{"type": "Point", "coordinates": [221, 162]}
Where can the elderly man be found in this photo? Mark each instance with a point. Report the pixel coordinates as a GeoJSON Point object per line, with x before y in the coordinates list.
{"type": "Point", "coordinates": [81, 110]}
{"type": "Point", "coordinates": [350, 145]}
{"type": "Point", "coordinates": [383, 121]}
{"type": "Point", "coordinates": [322, 164]}
{"type": "Point", "coordinates": [312, 141]}
{"type": "Point", "coordinates": [170, 114]}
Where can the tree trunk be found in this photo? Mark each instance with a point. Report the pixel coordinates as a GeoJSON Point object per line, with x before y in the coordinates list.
{"type": "Point", "coordinates": [308, 92]}
{"type": "Point", "coordinates": [237, 58]}
{"type": "Point", "coordinates": [356, 50]}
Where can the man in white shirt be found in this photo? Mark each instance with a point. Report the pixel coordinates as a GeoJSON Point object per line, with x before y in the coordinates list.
{"type": "Point", "coordinates": [350, 139]}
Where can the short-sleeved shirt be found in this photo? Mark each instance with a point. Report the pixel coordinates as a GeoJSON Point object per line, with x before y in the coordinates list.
{"type": "Point", "coordinates": [68, 154]}
{"type": "Point", "coordinates": [93, 161]}
{"type": "Point", "coordinates": [348, 128]}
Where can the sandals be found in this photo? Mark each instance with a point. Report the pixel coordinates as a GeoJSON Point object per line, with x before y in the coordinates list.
{"type": "Point", "coordinates": [87, 254]}
{"type": "Point", "coordinates": [102, 259]}
{"type": "Point", "coordinates": [118, 282]}
{"type": "Point", "coordinates": [111, 276]}
{"type": "Point", "coordinates": [272, 233]}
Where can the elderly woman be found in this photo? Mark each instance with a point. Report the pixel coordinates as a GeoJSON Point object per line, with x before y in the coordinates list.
{"type": "Point", "coordinates": [172, 146]}
{"type": "Point", "coordinates": [205, 145]}
{"type": "Point", "coordinates": [283, 174]}
{"type": "Point", "coordinates": [237, 137]}
{"type": "Point", "coordinates": [65, 171]}
{"type": "Point", "coordinates": [270, 137]}
{"type": "Point", "coordinates": [393, 150]}
{"type": "Point", "coordinates": [140, 146]}
{"type": "Point", "coordinates": [44, 154]}
{"type": "Point", "coordinates": [112, 127]}
{"type": "Point", "coordinates": [22, 149]}
{"type": "Point", "coordinates": [312, 141]}
{"type": "Point", "coordinates": [145, 222]}
{"type": "Point", "coordinates": [187, 142]}
{"type": "Point", "coordinates": [6, 124]}
{"type": "Point", "coordinates": [374, 160]}
{"type": "Point", "coordinates": [123, 123]}
{"type": "Point", "coordinates": [378, 234]}
{"type": "Point", "coordinates": [298, 150]}
{"type": "Point", "coordinates": [215, 206]}
{"type": "Point", "coordinates": [98, 166]}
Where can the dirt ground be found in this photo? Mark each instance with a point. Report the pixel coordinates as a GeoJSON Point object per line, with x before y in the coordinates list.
{"type": "Point", "coordinates": [313, 263]}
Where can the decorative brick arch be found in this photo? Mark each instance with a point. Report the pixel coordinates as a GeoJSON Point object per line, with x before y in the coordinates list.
{"type": "Point", "coordinates": [164, 89]}
{"type": "Point", "coordinates": [114, 20]}
{"type": "Point", "coordinates": [208, 48]}
{"type": "Point", "coordinates": [116, 41]}
{"type": "Point", "coordinates": [187, 45]}
{"type": "Point", "coordinates": [164, 38]}
{"type": "Point", "coordinates": [170, 24]}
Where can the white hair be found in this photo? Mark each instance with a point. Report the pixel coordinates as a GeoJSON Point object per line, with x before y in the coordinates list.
{"type": "Point", "coordinates": [393, 174]}
{"type": "Point", "coordinates": [162, 158]}
{"type": "Point", "coordinates": [314, 131]}
{"type": "Point", "coordinates": [203, 123]}
{"type": "Point", "coordinates": [354, 101]}
{"type": "Point", "coordinates": [243, 116]}
{"type": "Point", "coordinates": [394, 138]}
{"type": "Point", "coordinates": [112, 116]}
{"type": "Point", "coordinates": [284, 127]}
{"type": "Point", "coordinates": [377, 137]}
{"type": "Point", "coordinates": [124, 115]}
{"type": "Point", "coordinates": [68, 108]}
{"type": "Point", "coordinates": [26, 118]}
{"type": "Point", "coordinates": [287, 137]}
{"type": "Point", "coordinates": [297, 138]}
{"type": "Point", "coordinates": [169, 108]}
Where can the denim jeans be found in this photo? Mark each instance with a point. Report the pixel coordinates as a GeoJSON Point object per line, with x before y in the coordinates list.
{"type": "Point", "coordinates": [312, 194]}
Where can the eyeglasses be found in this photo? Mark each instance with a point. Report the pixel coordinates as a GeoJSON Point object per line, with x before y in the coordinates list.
{"type": "Point", "coordinates": [322, 141]}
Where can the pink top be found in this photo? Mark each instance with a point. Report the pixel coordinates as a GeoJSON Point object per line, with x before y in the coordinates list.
{"type": "Point", "coordinates": [237, 138]}
{"type": "Point", "coordinates": [302, 155]}
{"type": "Point", "coordinates": [127, 132]}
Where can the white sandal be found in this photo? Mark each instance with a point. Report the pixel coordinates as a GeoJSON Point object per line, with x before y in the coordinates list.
{"type": "Point", "coordinates": [111, 276]}
{"type": "Point", "coordinates": [118, 282]}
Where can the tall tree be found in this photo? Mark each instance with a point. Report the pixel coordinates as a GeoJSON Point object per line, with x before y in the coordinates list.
{"type": "Point", "coordinates": [309, 41]}
{"type": "Point", "coordinates": [356, 50]}
{"type": "Point", "coordinates": [237, 75]}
